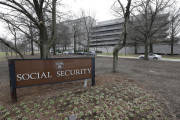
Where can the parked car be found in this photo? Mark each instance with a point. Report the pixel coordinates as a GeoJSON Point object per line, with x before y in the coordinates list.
{"type": "Point", "coordinates": [151, 56]}
{"type": "Point", "coordinates": [68, 52]}
{"type": "Point", "coordinates": [80, 53]}
{"type": "Point", "coordinates": [92, 53]}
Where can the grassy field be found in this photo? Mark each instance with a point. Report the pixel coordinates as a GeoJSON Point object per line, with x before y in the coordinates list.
{"type": "Point", "coordinates": [2, 56]}
{"type": "Point", "coordinates": [123, 55]}
{"type": "Point", "coordinates": [171, 57]}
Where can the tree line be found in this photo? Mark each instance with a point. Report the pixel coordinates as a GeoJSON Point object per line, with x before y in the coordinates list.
{"type": "Point", "coordinates": [145, 22]}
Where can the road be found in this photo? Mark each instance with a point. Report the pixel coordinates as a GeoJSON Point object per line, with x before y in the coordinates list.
{"type": "Point", "coordinates": [160, 77]}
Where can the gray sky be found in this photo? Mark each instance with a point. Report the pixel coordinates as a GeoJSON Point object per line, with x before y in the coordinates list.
{"type": "Point", "coordinates": [100, 8]}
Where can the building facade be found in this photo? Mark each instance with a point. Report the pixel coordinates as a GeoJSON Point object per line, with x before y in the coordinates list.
{"type": "Point", "coordinates": [103, 36]}
{"type": "Point", "coordinates": [106, 34]}
{"type": "Point", "coordinates": [77, 32]}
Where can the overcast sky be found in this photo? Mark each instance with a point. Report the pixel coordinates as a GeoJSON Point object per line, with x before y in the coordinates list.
{"type": "Point", "coordinates": [100, 8]}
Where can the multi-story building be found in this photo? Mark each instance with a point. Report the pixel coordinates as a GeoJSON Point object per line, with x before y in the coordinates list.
{"type": "Point", "coordinates": [78, 32]}
{"type": "Point", "coordinates": [106, 34]}
{"type": "Point", "coordinates": [103, 36]}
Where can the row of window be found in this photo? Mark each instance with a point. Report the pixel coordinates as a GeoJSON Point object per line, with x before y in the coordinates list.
{"type": "Point", "coordinates": [102, 41]}
{"type": "Point", "coordinates": [106, 31]}
{"type": "Point", "coordinates": [107, 26]}
{"type": "Point", "coordinates": [106, 36]}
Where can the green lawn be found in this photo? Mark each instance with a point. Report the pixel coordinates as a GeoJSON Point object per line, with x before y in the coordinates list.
{"type": "Point", "coordinates": [171, 57]}
{"type": "Point", "coordinates": [123, 55]}
{"type": "Point", "coordinates": [2, 56]}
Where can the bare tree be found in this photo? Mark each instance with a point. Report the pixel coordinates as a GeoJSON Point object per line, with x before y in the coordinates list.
{"type": "Point", "coordinates": [88, 22]}
{"type": "Point", "coordinates": [124, 11]}
{"type": "Point", "coordinates": [63, 36]}
{"type": "Point", "coordinates": [159, 31]}
{"type": "Point", "coordinates": [13, 31]}
{"type": "Point", "coordinates": [32, 36]}
{"type": "Point", "coordinates": [20, 26]}
{"type": "Point", "coordinates": [76, 31]}
{"type": "Point", "coordinates": [148, 13]}
{"type": "Point", "coordinates": [174, 26]}
{"type": "Point", "coordinates": [5, 42]}
{"type": "Point", "coordinates": [36, 11]}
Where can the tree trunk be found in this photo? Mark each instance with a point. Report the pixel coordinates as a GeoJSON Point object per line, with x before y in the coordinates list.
{"type": "Point", "coordinates": [44, 45]}
{"type": "Point", "coordinates": [125, 33]}
{"type": "Point", "coordinates": [172, 45]}
{"type": "Point", "coordinates": [115, 56]}
{"type": "Point", "coordinates": [32, 47]}
{"type": "Point", "coordinates": [172, 35]}
{"type": "Point", "coordinates": [119, 47]}
{"type": "Point", "coordinates": [44, 51]}
{"type": "Point", "coordinates": [53, 31]}
{"type": "Point", "coordinates": [31, 39]}
{"type": "Point", "coordinates": [146, 49]}
{"type": "Point", "coordinates": [54, 49]}
{"type": "Point", "coordinates": [125, 51]}
{"type": "Point", "coordinates": [115, 60]}
{"type": "Point", "coordinates": [15, 42]}
{"type": "Point", "coordinates": [135, 48]}
{"type": "Point", "coordinates": [75, 49]}
{"type": "Point", "coordinates": [151, 47]}
{"type": "Point", "coordinates": [24, 50]}
{"type": "Point", "coordinates": [172, 48]}
{"type": "Point", "coordinates": [88, 43]}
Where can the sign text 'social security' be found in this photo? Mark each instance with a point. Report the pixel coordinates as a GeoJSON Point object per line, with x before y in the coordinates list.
{"type": "Point", "coordinates": [47, 75]}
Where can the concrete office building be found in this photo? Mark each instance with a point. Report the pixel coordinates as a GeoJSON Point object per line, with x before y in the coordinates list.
{"type": "Point", "coordinates": [106, 34]}
{"type": "Point", "coordinates": [78, 31]}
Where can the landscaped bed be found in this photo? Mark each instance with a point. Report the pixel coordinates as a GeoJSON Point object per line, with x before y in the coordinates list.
{"type": "Point", "coordinates": [122, 100]}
